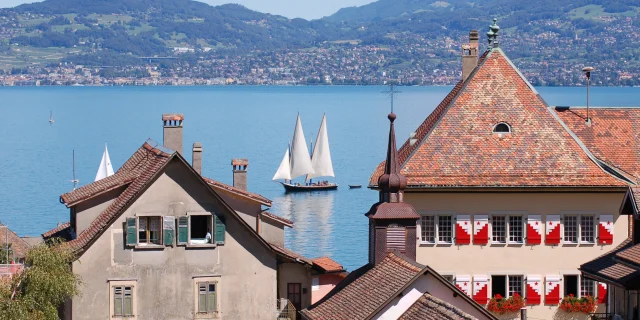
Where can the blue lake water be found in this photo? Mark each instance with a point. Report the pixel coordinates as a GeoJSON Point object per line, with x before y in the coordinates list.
{"type": "Point", "coordinates": [231, 122]}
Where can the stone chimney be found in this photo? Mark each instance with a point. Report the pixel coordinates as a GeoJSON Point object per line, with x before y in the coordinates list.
{"type": "Point", "coordinates": [196, 157]}
{"type": "Point", "coordinates": [240, 173]}
{"type": "Point", "coordinates": [470, 55]}
{"type": "Point", "coordinates": [172, 123]}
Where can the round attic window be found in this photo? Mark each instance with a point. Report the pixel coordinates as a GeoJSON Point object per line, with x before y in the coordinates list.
{"type": "Point", "coordinates": [502, 128]}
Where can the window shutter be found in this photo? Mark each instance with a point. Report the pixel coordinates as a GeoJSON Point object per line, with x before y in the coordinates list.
{"type": "Point", "coordinates": [552, 292]}
{"type": "Point", "coordinates": [211, 298]}
{"type": "Point", "coordinates": [605, 229]}
{"type": "Point", "coordinates": [202, 297]}
{"type": "Point", "coordinates": [464, 283]}
{"type": "Point", "coordinates": [168, 226]}
{"type": "Point", "coordinates": [534, 229]}
{"type": "Point", "coordinates": [463, 229]}
{"type": "Point", "coordinates": [183, 229]}
{"type": "Point", "coordinates": [220, 229]}
{"type": "Point", "coordinates": [553, 229]}
{"type": "Point", "coordinates": [534, 284]}
{"type": "Point", "coordinates": [396, 239]}
{"type": "Point", "coordinates": [128, 301]}
{"type": "Point", "coordinates": [132, 233]}
{"type": "Point", "coordinates": [480, 289]}
{"type": "Point", "coordinates": [602, 292]}
{"type": "Point", "coordinates": [480, 229]}
{"type": "Point", "coordinates": [117, 301]}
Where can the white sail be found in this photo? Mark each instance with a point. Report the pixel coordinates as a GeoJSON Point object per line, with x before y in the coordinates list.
{"type": "Point", "coordinates": [105, 168]}
{"type": "Point", "coordinates": [284, 171]}
{"type": "Point", "coordinates": [321, 157]}
{"type": "Point", "coordinates": [300, 159]}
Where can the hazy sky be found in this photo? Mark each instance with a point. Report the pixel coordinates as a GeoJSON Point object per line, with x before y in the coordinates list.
{"type": "Point", "coordinates": [308, 9]}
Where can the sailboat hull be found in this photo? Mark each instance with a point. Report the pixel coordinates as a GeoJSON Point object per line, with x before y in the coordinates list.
{"type": "Point", "coordinates": [302, 188]}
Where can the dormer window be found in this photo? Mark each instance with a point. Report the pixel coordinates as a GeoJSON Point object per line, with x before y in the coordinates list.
{"type": "Point", "coordinates": [502, 128]}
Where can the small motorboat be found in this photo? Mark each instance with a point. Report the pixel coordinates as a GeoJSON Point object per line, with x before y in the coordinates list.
{"type": "Point", "coordinates": [355, 186]}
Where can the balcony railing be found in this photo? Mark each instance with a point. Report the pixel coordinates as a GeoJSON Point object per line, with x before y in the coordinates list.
{"type": "Point", "coordinates": [286, 310]}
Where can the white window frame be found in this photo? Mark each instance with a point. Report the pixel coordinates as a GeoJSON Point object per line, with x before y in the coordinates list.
{"type": "Point", "coordinates": [506, 215]}
{"type": "Point", "coordinates": [579, 215]}
{"type": "Point", "coordinates": [211, 226]}
{"type": "Point", "coordinates": [160, 236]}
{"type": "Point", "coordinates": [122, 283]}
{"type": "Point", "coordinates": [595, 286]}
{"type": "Point", "coordinates": [209, 315]}
{"type": "Point", "coordinates": [523, 285]}
{"type": "Point", "coordinates": [572, 273]}
{"type": "Point", "coordinates": [436, 219]}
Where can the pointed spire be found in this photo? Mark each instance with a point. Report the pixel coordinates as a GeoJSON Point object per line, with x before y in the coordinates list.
{"type": "Point", "coordinates": [392, 183]}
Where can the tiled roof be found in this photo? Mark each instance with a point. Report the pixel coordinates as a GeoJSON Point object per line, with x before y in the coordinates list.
{"type": "Point", "coordinates": [290, 254]}
{"type": "Point", "coordinates": [456, 146]}
{"type": "Point", "coordinates": [225, 187]}
{"type": "Point", "coordinates": [362, 293]}
{"type": "Point", "coordinates": [613, 136]}
{"type": "Point", "coordinates": [631, 254]}
{"type": "Point", "coordinates": [393, 210]}
{"type": "Point", "coordinates": [282, 220]}
{"type": "Point", "coordinates": [327, 264]}
{"type": "Point", "coordinates": [608, 268]}
{"type": "Point", "coordinates": [18, 245]}
{"type": "Point", "coordinates": [57, 231]}
{"type": "Point", "coordinates": [429, 307]}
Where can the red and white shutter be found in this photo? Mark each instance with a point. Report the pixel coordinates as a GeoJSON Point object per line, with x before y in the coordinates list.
{"type": "Point", "coordinates": [553, 229]}
{"type": "Point", "coordinates": [534, 229]}
{"type": "Point", "coordinates": [605, 229]}
{"type": "Point", "coordinates": [463, 229]}
{"type": "Point", "coordinates": [480, 229]}
{"type": "Point", "coordinates": [552, 290]}
{"type": "Point", "coordinates": [602, 292]}
{"type": "Point", "coordinates": [534, 289]}
{"type": "Point", "coordinates": [481, 289]}
{"type": "Point", "coordinates": [464, 283]}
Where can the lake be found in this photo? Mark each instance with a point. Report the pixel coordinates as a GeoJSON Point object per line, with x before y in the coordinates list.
{"type": "Point", "coordinates": [230, 122]}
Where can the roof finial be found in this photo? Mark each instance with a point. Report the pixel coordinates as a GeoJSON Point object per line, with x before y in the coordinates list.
{"type": "Point", "coordinates": [493, 29]}
{"type": "Point", "coordinates": [392, 182]}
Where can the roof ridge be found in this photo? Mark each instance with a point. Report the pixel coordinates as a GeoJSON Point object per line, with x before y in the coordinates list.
{"type": "Point", "coordinates": [239, 191]}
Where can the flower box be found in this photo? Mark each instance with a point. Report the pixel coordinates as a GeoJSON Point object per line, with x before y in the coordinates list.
{"type": "Point", "coordinates": [572, 303]}
{"type": "Point", "coordinates": [500, 305]}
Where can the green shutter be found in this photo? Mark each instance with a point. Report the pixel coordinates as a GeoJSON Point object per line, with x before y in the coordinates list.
{"type": "Point", "coordinates": [168, 227]}
{"type": "Point", "coordinates": [211, 298]}
{"type": "Point", "coordinates": [132, 232]}
{"type": "Point", "coordinates": [220, 229]}
{"type": "Point", "coordinates": [183, 229]}
{"type": "Point", "coordinates": [202, 297]}
{"type": "Point", "coordinates": [117, 301]}
{"type": "Point", "coordinates": [128, 301]}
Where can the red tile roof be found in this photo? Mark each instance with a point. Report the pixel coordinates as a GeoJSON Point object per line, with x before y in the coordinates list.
{"type": "Point", "coordinates": [57, 230]}
{"type": "Point", "coordinates": [429, 307]}
{"type": "Point", "coordinates": [607, 268]}
{"type": "Point", "coordinates": [225, 187]}
{"type": "Point", "coordinates": [18, 245]}
{"type": "Point", "coordinates": [327, 264]}
{"type": "Point", "coordinates": [119, 179]}
{"type": "Point", "coordinates": [290, 254]}
{"type": "Point", "coordinates": [393, 210]}
{"type": "Point", "coordinates": [280, 219]}
{"type": "Point", "coordinates": [456, 145]}
{"type": "Point", "coordinates": [613, 136]}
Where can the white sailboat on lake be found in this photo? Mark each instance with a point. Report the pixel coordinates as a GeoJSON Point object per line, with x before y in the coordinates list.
{"type": "Point", "coordinates": [105, 169]}
{"type": "Point", "coordinates": [297, 161]}
{"type": "Point", "coordinates": [51, 121]}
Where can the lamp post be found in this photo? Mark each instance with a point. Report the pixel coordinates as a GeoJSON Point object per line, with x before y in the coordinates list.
{"type": "Point", "coordinates": [587, 72]}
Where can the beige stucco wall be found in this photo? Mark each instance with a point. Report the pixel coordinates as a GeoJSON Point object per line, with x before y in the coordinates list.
{"type": "Point", "coordinates": [295, 273]}
{"type": "Point", "coordinates": [89, 210]}
{"type": "Point", "coordinates": [164, 277]}
{"type": "Point", "coordinates": [517, 259]}
{"type": "Point", "coordinates": [272, 231]}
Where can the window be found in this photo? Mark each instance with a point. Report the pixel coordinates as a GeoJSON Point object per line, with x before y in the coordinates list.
{"type": "Point", "coordinates": [587, 287]}
{"type": "Point", "coordinates": [449, 278]}
{"type": "Point", "coordinates": [294, 294]}
{"type": "Point", "coordinates": [507, 285]}
{"type": "Point", "coordinates": [571, 285]}
{"type": "Point", "coordinates": [502, 128]}
{"type": "Point", "coordinates": [315, 283]}
{"type": "Point", "coordinates": [122, 299]}
{"type": "Point", "coordinates": [207, 299]}
{"type": "Point", "coordinates": [436, 229]}
{"type": "Point", "coordinates": [579, 229]}
{"type": "Point", "coordinates": [149, 230]}
{"type": "Point", "coordinates": [200, 229]}
{"type": "Point", "coordinates": [507, 229]}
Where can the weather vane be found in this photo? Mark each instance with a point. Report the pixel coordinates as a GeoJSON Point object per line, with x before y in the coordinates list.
{"type": "Point", "coordinates": [391, 93]}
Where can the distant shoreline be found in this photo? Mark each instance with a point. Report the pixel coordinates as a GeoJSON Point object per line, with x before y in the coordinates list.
{"type": "Point", "coordinates": [284, 85]}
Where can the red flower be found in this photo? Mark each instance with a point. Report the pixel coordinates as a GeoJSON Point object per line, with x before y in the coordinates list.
{"type": "Point", "coordinates": [500, 305]}
{"type": "Point", "coordinates": [585, 304]}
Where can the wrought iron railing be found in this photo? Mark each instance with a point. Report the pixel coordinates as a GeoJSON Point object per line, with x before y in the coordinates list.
{"type": "Point", "coordinates": [601, 316]}
{"type": "Point", "coordinates": [286, 310]}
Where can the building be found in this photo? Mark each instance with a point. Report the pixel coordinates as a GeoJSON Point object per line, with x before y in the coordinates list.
{"type": "Point", "coordinates": [157, 240]}
{"type": "Point", "coordinates": [13, 250]}
{"type": "Point", "coordinates": [392, 285]}
{"type": "Point", "coordinates": [331, 274]}
{"type": "Point", "coordinates": [510, 199]}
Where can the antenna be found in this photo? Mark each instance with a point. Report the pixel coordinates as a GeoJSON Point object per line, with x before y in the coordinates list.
{"type": "Point", "coordinates": [587, 72]}
{"type": "Point", "coordinates": [75, 181]}
{"type": "Point", "coordinates": [391, 92]}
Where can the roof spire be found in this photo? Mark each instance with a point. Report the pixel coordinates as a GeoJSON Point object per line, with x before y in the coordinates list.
{"type": "Point", "coordinates": [392, 182]}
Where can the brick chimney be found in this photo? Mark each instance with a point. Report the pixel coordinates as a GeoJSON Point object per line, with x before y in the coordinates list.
{"type": "Point", "coordinates": [172, 123]}
{"type": "Point", "coordinates": [470, 55]}
{"type": "Point", "coordinates": [196, 157]}
{"type": "Point", "coordinates": [240, 173]}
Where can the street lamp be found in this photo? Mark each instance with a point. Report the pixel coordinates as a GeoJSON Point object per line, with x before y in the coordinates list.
{"type": "Point", "coordinates": [587, 72]}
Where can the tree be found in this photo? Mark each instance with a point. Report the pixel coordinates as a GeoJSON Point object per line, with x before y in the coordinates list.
{"type": "Point", "coordinates": [43, 286]}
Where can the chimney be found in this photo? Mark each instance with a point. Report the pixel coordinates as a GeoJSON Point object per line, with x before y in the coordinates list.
{"type": "Point", "coordinates": [470, 55]}
{"type": "Point", "coordinates": [196, 158]}
{"type": "Point", "coordinates": [172, 133]}
{"type": "Point", "coordinates": [240, 173]}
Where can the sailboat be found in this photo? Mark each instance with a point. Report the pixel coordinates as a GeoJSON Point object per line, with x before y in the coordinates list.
{"type": "Point", "coordinates": [297, 161]}
{"type": "Point", "coordinates": [51, 118]}
{"type": "Point", "coordinates": [105, 169]}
